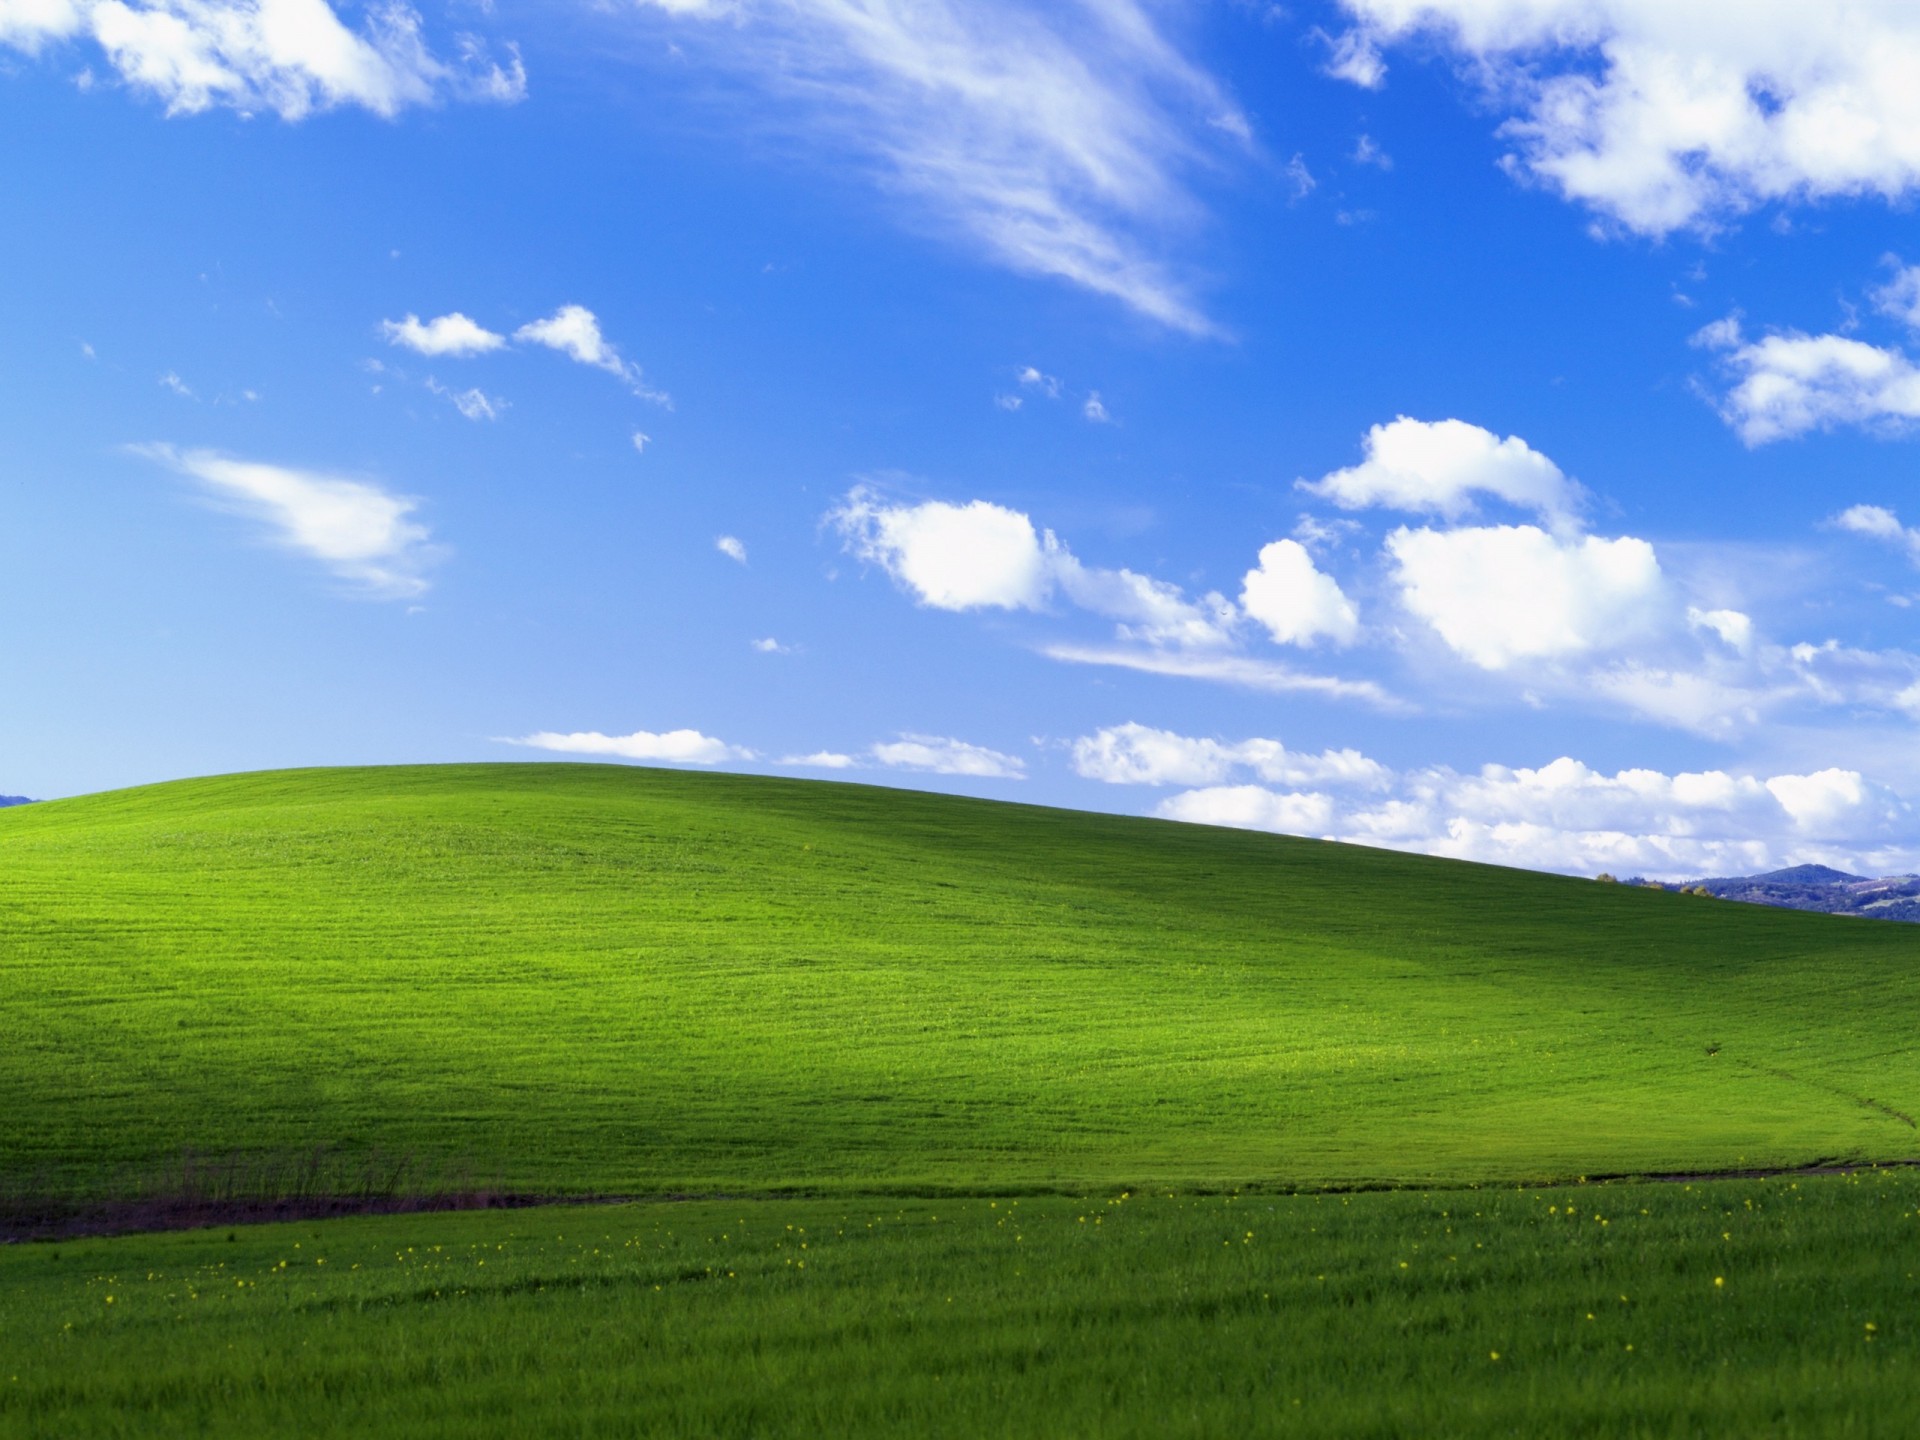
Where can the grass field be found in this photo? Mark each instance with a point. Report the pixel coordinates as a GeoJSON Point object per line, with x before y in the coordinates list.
{"type": "Point", "coordinates": [1749, 1308]}
{"type": "Point", "coordinates": [995, 1111]}
{"type": "Point", "coordinates": [606, 980]}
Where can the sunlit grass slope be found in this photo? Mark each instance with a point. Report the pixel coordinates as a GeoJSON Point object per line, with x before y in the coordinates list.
{"type": "Point", "coordinates": [598, 979]}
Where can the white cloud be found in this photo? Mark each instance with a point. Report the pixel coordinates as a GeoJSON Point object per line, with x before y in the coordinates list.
{"type": "Point", "coordinates": [1367, 151]}
{"type": "Point", "coordinates": [291, 57]}
{"type": "Point", "coordinates": [1008, 402]}
{"type": "Point", "coordinates": [939, 755]}
{"type": "Point", "coordinates": [1150, 611]}
{"type": "Point", "coordinates": [951, 557]}
{"type": "Point", "coordinates": [767, 645]}
{"type": "Point", "coordinates": [1056, 138]}
{"type": "Point", "coordinates": [1439, 467]}
{"type": "Point", "coordinates": [451, 335]}
{"type": "Point", "coordinates": [640, 441]}
{"type": "Point", "coordinates": [1245, 671]}
{"type": "Point", "coordinates": [928, 754]}
{"type": "Point", "coordinates": [1568, 816]}
{"type": "Point", "coordinates": [730, 546]}
{"type": "Point", "coordinates": [1664, 114]}
{"type": "Point", "coordinates": [822, 760]}
{"type": "Point", "coordinates": [1721, 334]}
{"type": "Point", "coordinates": [1790, 383]}
{"type": "Point", "coordinates": [1095, 410]}
{"type": "Point", "coordinates": [1734, 628]}
{"type": "Point", "coordinates": [1300, 181]}
{"type": "Point", "coordinates": [1250, 807]}
{"type": "Point", "coordinates": [985, 556]}
{"type": "Point", "coordinates": [1879, 523]}
{"type": "Point", "coordinates": [574, 331]}
{"type": "Point", "coordinates": [679, 747]}
{"type": "Point", "coordinates": [1900, 296]}
{"type": "Point", "coordinates": [172, 381]}
{"type": "Point", "coordinates": [1500, 594]}
{"type": "Point", "coordinates": [29, 24]}
{"type": "Point", "coordinates": [474, 404]}
{"type": "Point", "coordinates": [1297, 603]}
{"type": "Point", "coordinates": [1035, 379]}
{"type": "Point", "coordinates": [1134, 754]}
{"type": "Point", "coordinates": [364, 534]}
{"type": "Point", "coordinates": [1357, 60]}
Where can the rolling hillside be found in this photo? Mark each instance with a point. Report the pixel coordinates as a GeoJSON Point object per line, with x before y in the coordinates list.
{"type": "Point", "coordinates": [590, 979]}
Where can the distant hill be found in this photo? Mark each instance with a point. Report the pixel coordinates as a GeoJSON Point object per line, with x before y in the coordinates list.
{"type": "Point", "coordinates": [15, 800]}
{"type": "Point", "coordinates": [1820, 888]}
{"type": "Point", "coordinates": [609, 980]}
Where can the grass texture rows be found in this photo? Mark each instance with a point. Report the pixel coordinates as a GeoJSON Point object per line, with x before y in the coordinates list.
{"type": "Point", "coordinates": [1780, 1308]}
{"type": "Point", "coordinates": [607, 980]}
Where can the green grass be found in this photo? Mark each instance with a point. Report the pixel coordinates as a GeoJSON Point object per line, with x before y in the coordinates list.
{"type": "Point", "coordinates": [1781, 1308]}
{"type": "Point", "coordinates": [605, 980]}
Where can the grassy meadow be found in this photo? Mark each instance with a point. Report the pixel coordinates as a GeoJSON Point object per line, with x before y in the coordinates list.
{"type": "Point", "coordinates": [1782, 1307]}
{"type": "Point", "coordinates": [936, 1116]}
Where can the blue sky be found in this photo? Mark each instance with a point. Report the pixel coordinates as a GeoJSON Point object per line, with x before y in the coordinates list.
{"type": "Point", "coordinates": [1478, 426]}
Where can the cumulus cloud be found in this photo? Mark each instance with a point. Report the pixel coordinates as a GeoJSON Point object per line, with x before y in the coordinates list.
{"type": "Point", "coordinates": [1879, 523]}
{"type": "Point", "coordinates": [1506, 593]}
{"type": "Point", "coordinates": [362, 533]}
{"type": "Point", "coordinates": [574, 331]}
{"type": "Point", "coordinates": [981, 556]}
{"type": "Point", "coordinates": [1787, 384]}
{"type": "Point", "coordinates": [678, 747]}
{"type": "Point", "coordinates": [1568, 816]}
{"type": "Point", "coordinates": [940, 755]}
{"type": "Point", "coordinates": [452, 335]}
{"type": "Point", "coordinates": [927, 754]}
{"type": "Point", "coordinates": [1134, 754]}
{"type": "Point", "coordinates": [952, 557]}
{"type": "Point", "coordinates": [731, 547]}
{"type": "Point", "coordinates": [1056, 138]}
{"type": "Point", "coordinates": [1440, 467]}
{"type": "Point", "coordinates": [1664, 114]}
{"type": "Point", "coordinates": [1295, 600]}
{"type": "Point", "coordinates": [290, 57]}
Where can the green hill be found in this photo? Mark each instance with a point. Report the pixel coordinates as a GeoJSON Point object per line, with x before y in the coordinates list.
{"type": "Point", "coordinates": [588, 979]}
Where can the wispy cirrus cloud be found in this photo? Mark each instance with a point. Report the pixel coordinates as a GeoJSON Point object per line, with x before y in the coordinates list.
{"type": "Point", "coordinates": [362, 532]}
{"type": "Point", "coordinates": [1058, 138]}
{"type": "Point", "coordinates": [677, 747]}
